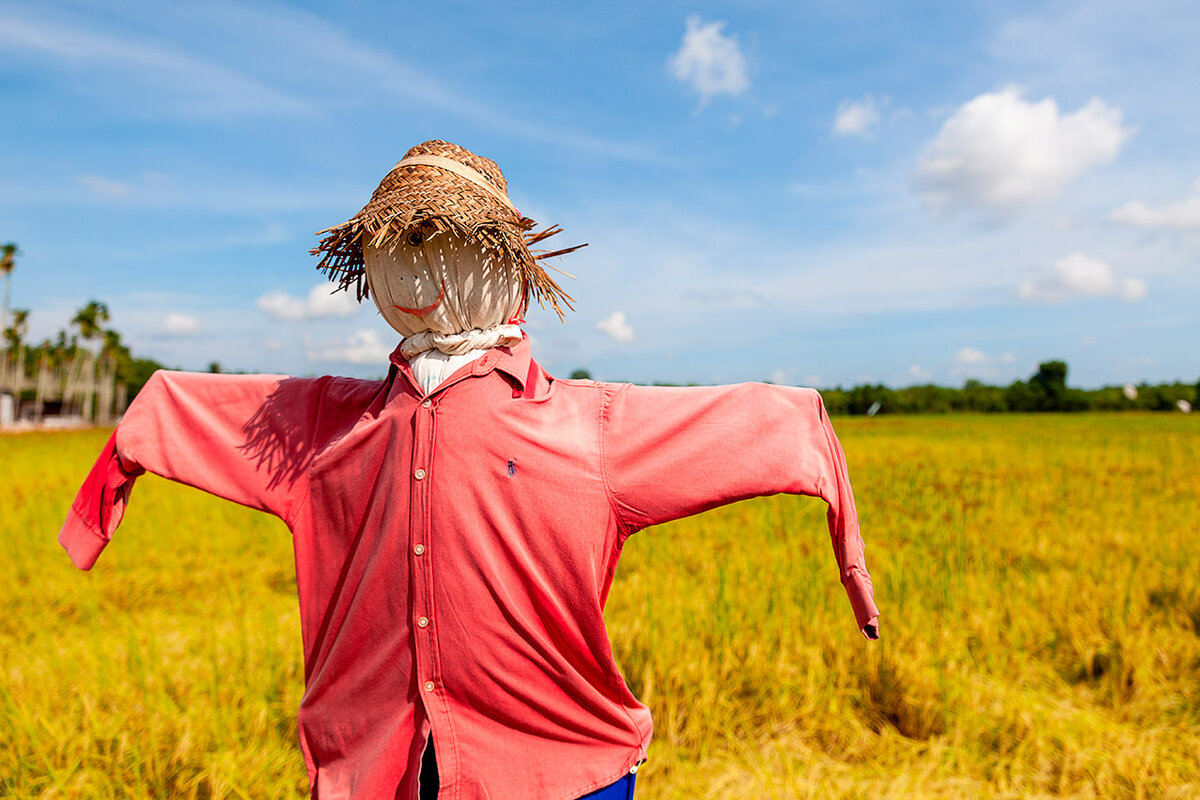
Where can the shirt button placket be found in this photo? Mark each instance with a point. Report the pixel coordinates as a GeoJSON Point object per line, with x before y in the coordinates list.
{"type": "Point", "coordinates": [421, 566]}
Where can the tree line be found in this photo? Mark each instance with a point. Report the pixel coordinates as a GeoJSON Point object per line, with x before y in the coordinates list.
{"type": "Point", "coordinates": [1045, 390]}
{"type": "Point", "coordinates": [88, 331]}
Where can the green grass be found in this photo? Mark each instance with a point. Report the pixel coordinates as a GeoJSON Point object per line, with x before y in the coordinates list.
{"type": "Point", "coordinates": [1039, 580]}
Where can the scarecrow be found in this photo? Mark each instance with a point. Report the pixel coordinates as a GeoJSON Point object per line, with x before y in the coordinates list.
{"type": "Point", "coordinates": [457, 525]}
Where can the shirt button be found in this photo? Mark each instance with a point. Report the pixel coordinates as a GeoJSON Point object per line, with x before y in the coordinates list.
{"type": "Point", "coordinates": [426, 403]}
{"type": "Point", "coordinates": [419, 474]}
{"type": "Point", "coordinates": [429, 686]}
{"type": "Point", "coordinates": [419, 549]}
{"type": "Point", "coordinates": [423, 622]}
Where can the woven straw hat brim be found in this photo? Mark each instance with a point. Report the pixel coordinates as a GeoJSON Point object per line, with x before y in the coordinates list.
{"type": "Point", "coordinates": [434, 201]}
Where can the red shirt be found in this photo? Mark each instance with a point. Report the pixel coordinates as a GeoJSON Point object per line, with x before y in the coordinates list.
{"type": "Point", "coordinates": [454, 551]}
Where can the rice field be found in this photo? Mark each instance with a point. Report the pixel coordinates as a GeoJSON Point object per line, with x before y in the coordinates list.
{"type": "Point", "coordinates": [1038, 576]}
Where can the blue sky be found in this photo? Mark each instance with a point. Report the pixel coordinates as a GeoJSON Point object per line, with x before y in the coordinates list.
{"type": "Point", "coordinates": [815, 193]}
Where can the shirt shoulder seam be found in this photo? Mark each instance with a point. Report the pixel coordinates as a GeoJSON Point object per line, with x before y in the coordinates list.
{"type": "Point", "coordinates": [606, 396]}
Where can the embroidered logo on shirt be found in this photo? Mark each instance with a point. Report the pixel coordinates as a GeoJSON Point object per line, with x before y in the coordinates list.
{"type": "Point", "coordinates": [512, 467]}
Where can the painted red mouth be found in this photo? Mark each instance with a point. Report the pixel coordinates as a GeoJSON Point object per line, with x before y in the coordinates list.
{"type": "Point", "coordinates": [420, 312]}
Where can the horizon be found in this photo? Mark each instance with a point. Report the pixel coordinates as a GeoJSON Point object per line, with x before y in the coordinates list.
{"type": "Point", "coordinates": [809, 195]}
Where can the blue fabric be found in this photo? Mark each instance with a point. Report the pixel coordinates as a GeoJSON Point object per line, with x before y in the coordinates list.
{"type": "Point", "coordinates": [621, 790]}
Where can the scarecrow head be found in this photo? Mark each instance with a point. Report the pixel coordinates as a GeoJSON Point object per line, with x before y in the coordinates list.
{"type": "Point", "coordinates": [444, 253]}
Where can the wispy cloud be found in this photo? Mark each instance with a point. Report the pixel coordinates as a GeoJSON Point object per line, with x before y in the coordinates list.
{"type": "Point", "coordinates": [193, 85]}
{"type": "Point", "coordinates": [1078, 275]}
{"type": "Point", "coordinates": [332, 51]}
{"type": "Point", "coordinates": [364, 347]}
{"type": "Point", "coordinates": [178, 324]}
{"type": "Point", "coordinates": [1183, 215]}
{"type": "Point", "coordinates": [726, 296]}
{"type": "Point", "coordinates": [322, 302]}
{"type": "Point", "coordinates": [917, 373]}
{"type": "Point", "coordinates": [975, 363]}
{"type": "Point", "coordinates": [104, 188]}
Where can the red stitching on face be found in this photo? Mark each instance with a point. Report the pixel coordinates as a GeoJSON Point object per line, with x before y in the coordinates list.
{"type": "Point", "coordinates": [420, 312]}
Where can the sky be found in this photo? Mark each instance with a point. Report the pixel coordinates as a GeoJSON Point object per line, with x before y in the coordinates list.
{"type": "Point", "coordinates": [812, 193]}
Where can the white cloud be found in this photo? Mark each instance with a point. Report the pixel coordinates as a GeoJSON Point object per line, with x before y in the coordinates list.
{"type": "Point", "coordinates": [917, 373]}
{"type": "Point", "coordinates": [616, 327]}
{"type": "Point", "coordinates": [1182, 215]}
{"type": "Point", "coordinates": [322, 301]}
{"type": "Point", "coordinates": [104, 188]}
{"type": "Point", "coordinates": [969, 356]}
{"type": "Point", "coordinates": [177, 324]}
{"type": "Point", "coordinates": [972, 362]}
{"type": "Point", "coordinates": [1078, 275]}
{"type": "Point", "coordinates": [1001, 153]}
{"type": "Point", "coordinates": [362, 347]}
{"type": "Point", "coordinates": [855, 118]}
{"type": "Point", "coordinates": [779, 376]}
{"type": "Point", "coordinates": [710, 61]}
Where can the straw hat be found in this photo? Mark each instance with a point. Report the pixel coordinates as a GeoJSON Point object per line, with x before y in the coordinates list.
{"type": "Point", "coordinates": [439, 187]}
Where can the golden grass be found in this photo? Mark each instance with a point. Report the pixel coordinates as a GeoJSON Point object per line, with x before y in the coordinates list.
{"type": "Point", "coordinates": [1039, 579]}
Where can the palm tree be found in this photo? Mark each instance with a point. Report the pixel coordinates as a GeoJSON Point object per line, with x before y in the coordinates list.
{"type": "Point", "coordinates": [112, 344]}
{"type": "Point", "coordinates": [118, 351]}
{"type": "Point", "coordinates": [15, 334]}
{"type": "Point", "coordinates": [8, 256]}
{"type": "Point", "coordinates": [89, 318]}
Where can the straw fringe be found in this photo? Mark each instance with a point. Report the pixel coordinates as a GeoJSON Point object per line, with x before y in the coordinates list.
{"type": "Point", "coordinates": [437, 202]}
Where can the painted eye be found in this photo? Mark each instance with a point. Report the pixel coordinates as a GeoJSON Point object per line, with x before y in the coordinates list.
{"type": "Point", "coordinates": [415, 238]}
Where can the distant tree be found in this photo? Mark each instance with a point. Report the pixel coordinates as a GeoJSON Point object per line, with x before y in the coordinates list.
{"type": "Point", "coordinates": [89, 318]}
{"type": "Point", "coordinates": [8, 262]}
{"type": "Point", "coordinates": [18, 328]}
{"type": "Point", "coordinates": [112, 345]}
{"type": "Point", "coordinates": [140, 370]}
{"type": "Point", "coordinates": [978, 396]}
{"type": "Point", "coordinates": [1020, 397]}
{"type": "Point", "coordinates": [122, 358]}
{"type": "Point", "coordinates": [581, 375]}
{"type": "Point", "coordinates": [62, 348]}
{"type": "Point", "coordinates": [8, 254]}
{"type": "Point", "coordinates": [1076, 400]}
{"type": "Point", "coordinates": [925, 399]}
{"type": "Point", "coordinates": [214, 367]}
{"type": "Point", "coordinates": [1050, 386]}
{"type": "Point", "coordinates": [864, 396]}
{"type": "Point", "coordinates": [837, 400]}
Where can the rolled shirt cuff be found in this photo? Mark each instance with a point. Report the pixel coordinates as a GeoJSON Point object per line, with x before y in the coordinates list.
{"type": "Point", "coordinates": [862, 598]}
{"type": "Point", "coordinates": [82, 543]}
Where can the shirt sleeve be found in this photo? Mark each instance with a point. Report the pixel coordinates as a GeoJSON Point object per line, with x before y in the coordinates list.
{"type": "Point", "coordinates": [246, 438]}
{"type": "Point", "coordinates": [670, 452]}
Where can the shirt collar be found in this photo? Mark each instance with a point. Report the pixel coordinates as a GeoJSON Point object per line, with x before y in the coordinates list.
{"type": "Point", "coordinates": [512, 361]}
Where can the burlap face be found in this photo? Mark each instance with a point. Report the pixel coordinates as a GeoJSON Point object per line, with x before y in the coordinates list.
{"type": "Point", "coordinates": [443, 284]}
